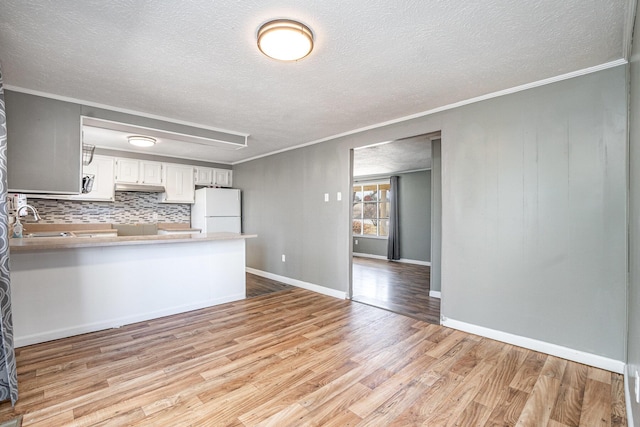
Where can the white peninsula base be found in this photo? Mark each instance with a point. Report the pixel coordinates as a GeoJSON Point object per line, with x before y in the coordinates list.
{"type": "Point", "coordinates": [58, 293]}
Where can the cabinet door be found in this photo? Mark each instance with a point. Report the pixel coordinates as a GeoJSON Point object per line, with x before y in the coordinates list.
{"type": "Point", "coordinates": [204, 176]}
{"type": "Point", "coordinates": [150, 172]}
{"type": "Point", "coordinates": [102, 169]}
{"type": "Point", "coordinates": [179, 184]}
{"type": "Point", "coordinates": [222, 177]}
{"type": "Point", "coordinates": [127, 171]}
{"type": "Point", "coordinates": [44, 150]}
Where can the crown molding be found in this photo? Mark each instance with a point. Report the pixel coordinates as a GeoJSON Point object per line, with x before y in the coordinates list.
{"type": "Point", "coordinates": [544, 82]}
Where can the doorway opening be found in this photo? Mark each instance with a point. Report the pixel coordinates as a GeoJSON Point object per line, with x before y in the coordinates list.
{"type": "Point", "coordinates": [394, 227]}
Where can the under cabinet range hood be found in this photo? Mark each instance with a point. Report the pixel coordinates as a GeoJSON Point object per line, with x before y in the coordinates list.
{"type": "Point", "coordinates": [140, 187]}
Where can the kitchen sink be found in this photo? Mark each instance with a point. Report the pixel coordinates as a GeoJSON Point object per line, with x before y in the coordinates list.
{"type": "Point", "coordinates": [49, 234]}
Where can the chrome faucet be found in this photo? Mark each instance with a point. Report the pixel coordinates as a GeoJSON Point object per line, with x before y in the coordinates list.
{"type": "Point", "coordinates": [36, 216]}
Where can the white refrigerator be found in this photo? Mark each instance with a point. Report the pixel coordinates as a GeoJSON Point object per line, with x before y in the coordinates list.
{"type": "Point", "coordinates": [216, 210]}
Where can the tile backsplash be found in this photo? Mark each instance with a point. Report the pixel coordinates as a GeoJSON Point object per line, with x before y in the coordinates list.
{"type": "Point", "coordinates": [128, 208]}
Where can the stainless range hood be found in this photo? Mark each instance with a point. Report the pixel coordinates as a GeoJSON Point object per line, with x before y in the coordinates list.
{"type": "Point", "coordinates": [141, 187]}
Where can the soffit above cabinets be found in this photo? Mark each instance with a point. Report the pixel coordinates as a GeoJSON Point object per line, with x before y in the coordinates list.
{"type": "Point", "coordinates": [206, 146]}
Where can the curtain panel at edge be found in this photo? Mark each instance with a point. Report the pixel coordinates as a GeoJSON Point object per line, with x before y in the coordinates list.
{"type": "Point", "coordinates": [8, 372]}
{"type": "Point", "coordinates": [393, 242]}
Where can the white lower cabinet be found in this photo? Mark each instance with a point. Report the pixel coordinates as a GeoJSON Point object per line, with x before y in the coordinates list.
{"type": "Point", "coordinates": [179, 184]}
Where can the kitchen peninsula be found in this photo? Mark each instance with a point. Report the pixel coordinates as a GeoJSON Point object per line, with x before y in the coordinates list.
{"type": "Point", "coordinates": [64, 286]}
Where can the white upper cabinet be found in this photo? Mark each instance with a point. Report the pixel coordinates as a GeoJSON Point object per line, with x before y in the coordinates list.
{"type": "Point", "coordinates": [102, 170]}
{"type": "Point", "coordinates": [132, 171]}
{"type": "Point", "coordinates": [179, 184]}
{"type": "Point", "coordinates": [150, 172]}
{"type": "Point", "coordinates": [222, 177]}
{"type": "Point", "coordinates": [209, 176]}
{"type": "Point", "coordinates": [127, 171]}
{"type": "Point", "coordinates": [203, 176]}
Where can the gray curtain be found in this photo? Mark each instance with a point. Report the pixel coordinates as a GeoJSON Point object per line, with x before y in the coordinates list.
{"type": "Point", "coordinates": [393, 243]}
{"type": "Point", "coordinates": [8, 372]}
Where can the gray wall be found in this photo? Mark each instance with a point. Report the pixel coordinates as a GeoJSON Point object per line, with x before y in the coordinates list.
{"type": "Point", "coordinates": [534, 214]}
{"type": "Point", "coordinates": [436, 216]}
{"type": "Point", "coordinates": [369, 246]}
{"type": "Point", "coordinates": [283, 200]}
{"type": "Point", "coordinates": [415, 215]}
{"type": "Point", "coordinates": [415, 220]}
{"type": "Point", "coordinates": [533, 211]}
{"type": "Point", "coordinates": [633, 345]}
{"type": "Point", "coordinates": [44, 151]}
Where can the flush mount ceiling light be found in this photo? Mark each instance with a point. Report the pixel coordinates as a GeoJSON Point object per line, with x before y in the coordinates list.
{"type": "Point", "coordinates": [285, 40]}
{"type": "Point", "coordinates": [142, 141]}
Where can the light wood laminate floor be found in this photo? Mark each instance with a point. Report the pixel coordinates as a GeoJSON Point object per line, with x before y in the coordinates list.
{"type": "Point", "coordinates": [399, 287]}
{"type": "Point", "coordinates": [294, 358]}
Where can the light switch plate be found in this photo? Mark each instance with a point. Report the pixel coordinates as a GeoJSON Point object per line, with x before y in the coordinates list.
{"type": "Point", "coordinates": [339, 196]}
{"type": "Point", "coordinates": [326, 197]}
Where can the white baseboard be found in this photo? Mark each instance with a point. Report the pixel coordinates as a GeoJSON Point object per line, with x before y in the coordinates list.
{"type": "Point", "coordinates": [541, 346]}
{"type": "Point", "coordinates": [299, 283]}
{"type": "Point", "coordinates": [628, 389]}
{"type": "Point", "coordinates": [403, 260]}
{"type": "Point", "coordinates": [413, 261]}
{"type": "Point", "coordinates": [21, 341]}
{"type": "Point", "coordinates": [434, 294]}
{"type": "Point", "coordinates": [360, 255]}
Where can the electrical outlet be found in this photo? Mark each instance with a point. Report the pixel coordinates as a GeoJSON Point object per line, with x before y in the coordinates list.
{"type": "Point", "coordinates": [339, 196]}
{"type": "Point", "coordinates": [326, 197]}
{"type": "Point", "coordinates": [283, 258]}
{"type": "Point", "coordinates": [356, 241]}
{"type": "Point", "coordinates": [637, 387]}
{"type": "Point", "coordinates": [155, 216]}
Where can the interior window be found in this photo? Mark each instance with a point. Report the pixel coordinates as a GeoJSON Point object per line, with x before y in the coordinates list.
{"type": "Point", "coordinates": [371, 209]}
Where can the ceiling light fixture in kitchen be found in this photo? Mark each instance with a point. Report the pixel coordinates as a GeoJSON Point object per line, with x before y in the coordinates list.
{"type": "Point", "coordinates": [285, 40]}
{"type": "Point", "coordinates": [142, 141]}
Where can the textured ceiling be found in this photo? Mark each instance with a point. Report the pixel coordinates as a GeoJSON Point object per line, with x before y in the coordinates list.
{"type": "Point", "coordinates": [374, 60]}
{"type": "Point", "coordinates": [404, 155]}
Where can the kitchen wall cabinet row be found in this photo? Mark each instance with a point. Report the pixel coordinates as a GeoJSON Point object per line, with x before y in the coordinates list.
{"type": "Point", "coordinates": [178, 180]}
{"type": "Point", "coordinates": [132, 171]}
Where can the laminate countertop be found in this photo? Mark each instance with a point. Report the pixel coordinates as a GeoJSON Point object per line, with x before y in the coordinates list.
{"type": "Point", "coordinates": [30, 244]}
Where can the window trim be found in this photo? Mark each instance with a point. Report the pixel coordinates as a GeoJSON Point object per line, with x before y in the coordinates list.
{"type": "Point", "coordinates": [376, 182]}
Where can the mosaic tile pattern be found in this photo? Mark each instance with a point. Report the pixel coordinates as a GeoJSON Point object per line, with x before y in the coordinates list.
{"type": "Point", "coordinates": [128, 208]}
